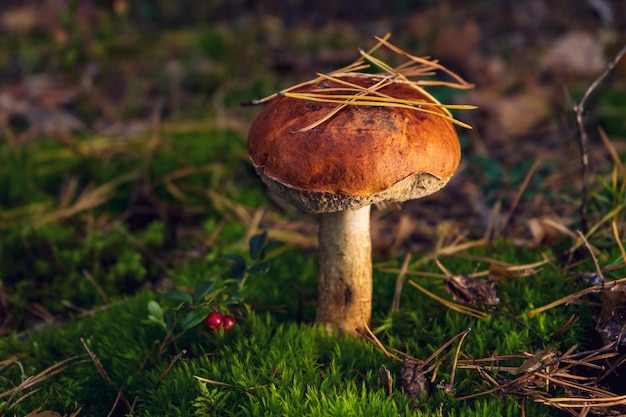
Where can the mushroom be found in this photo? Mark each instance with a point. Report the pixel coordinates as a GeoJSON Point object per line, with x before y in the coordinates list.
{"type": "Point", "coordinates": [344, 141]}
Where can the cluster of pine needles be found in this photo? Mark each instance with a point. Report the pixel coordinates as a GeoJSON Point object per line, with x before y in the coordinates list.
{"type": "Point", "coordinates": [415, 72]}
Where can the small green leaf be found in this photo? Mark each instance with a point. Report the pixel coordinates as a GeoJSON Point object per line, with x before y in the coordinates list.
{"type": "Point", "coordinates": [259, 268]}
{"type": "Point", "coordinates": [235, 258]}
{"type": "Point", "coordinates": [202, 289]}
{"type": "Point", "coordinates": [179, 295]}
{"type": "Point", "coordinates": [155, 310]}
{"type": "Point", "coordinates": [234, 299]}
{"type": "Point", "coordinates": [273, 244]}
{"type": "Point", "coordinates": [194, 318]}
{"type": "Point", "coordinates": [238, 271]}
{"type": "Point", "coordinates": [256, 244]}
{"type": "Point", "coordinates": [238, 268]}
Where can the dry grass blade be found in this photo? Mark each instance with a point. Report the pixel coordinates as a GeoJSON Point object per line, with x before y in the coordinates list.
{"type": "Point", "coordinates": [513, 270]}
{"type": "Point", "coordinates": [224, 384]}
{"type": "Point", "coordinates": [573, 297]}
{"type": "Point", "coordinates": [611, 215]}
{"type": "Point", "coordinates": [593, 256]}
{"type": "Point", "coordinates": [553, 373]}
{"type": "Point", "coordinates": [597, 397]}
{"type": "Point", "coordinates": [227, 206]}
{"type": "Point", "coordinates": [357, 65]}
{"type": "Point", "coordinates": [460, 247]}
{"type": "Point", "coordinates": [23, 214]}
{"type": "Point", "coordinates": [395, 304]}
{"type": "Point", "coordinates": [611, 149]}
{"type": "Point", "coordinates": [415, 67]}
{"type": "Point", "coordinates": [103, 373]}
{"type": "Point", "coordinates": [618, 241]}
{"type": "Point", "coordinates": [169, 367]}
{"type": "Point", "coordinates": [214, 382]}
{"type": "Point", "coordinates": [461, 83]}
{"type": "Point", "coordinates": [9, 361]}
{"type": "Point", "coordinates": [351, 100]}
{"type": "Point", "coordinates": [371, 337]}
{"type": "Point", "coordinates": [27, 386]}
{"type": "Point", "coordinates": [450, 387]}
{"type": "Point", "coordinates": [87, 200]}
{"type": "Point", "coordinates": [41, 376]}
{"type": "Point", "coordinates": [463, 309]}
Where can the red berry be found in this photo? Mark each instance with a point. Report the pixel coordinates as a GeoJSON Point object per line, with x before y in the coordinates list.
{"type": "Point", "coordinates": [213, 320]}
{"type": "Point", "coordinates": [228, 322]}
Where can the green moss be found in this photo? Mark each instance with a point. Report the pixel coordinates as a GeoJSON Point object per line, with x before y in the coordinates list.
{"type": "Point", "coordinates": [272, 365]}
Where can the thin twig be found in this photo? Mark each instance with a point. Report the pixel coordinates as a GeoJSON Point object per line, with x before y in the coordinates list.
{"type": "Point", "coordinates": [593, 256]}
{"type": "Point", "coordinates": [169, 367]}
{"type": "Point", "coordinates": [450, 386]}
{"type": "Point", "coordinates": [103, 373]}
{"type": "Point", "coordinates": [461, 308]}
{"type": "Point", "coordinates": [371, 337]}
{"type": "Point", "coordinates": [579, 109]}
{"type": "Point", "coordinates": [573, 297]}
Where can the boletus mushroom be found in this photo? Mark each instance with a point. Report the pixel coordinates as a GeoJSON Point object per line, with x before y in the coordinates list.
{"type": "Point", "coordinates": [340, 143]}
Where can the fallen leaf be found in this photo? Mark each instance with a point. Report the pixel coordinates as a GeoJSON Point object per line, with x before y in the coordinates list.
{"type": "Point", "coordinates": [576, 53]}
{"type": "Point", "coordinates": [470, 290]}
{"type": "Point", "coordinates": [535, 361]}
{"type": "Point", "coordinates": [611, 324]}
{"type": "Point", "coordinates": [385, 381]}
{"type": "Point", "coordinates": [544, 230]}
{"type": "Point", "coordinates": [413, 379]}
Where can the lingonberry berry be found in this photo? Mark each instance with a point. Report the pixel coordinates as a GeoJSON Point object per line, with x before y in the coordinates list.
{"type": "Point", "coordinates": [228, 322]}
{"type": "Point", "coordinates": [213, 320]}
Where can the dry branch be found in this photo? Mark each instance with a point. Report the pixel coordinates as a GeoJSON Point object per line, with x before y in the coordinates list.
{"type": "Point", "coordinates": [579, 109]}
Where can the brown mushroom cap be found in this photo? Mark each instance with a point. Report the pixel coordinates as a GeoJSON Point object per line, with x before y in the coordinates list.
{"type": "Point", "coordinates": [362, 155]}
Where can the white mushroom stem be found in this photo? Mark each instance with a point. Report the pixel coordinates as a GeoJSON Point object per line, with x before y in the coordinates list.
{"type": "Point", "coordinates": [344, 292]}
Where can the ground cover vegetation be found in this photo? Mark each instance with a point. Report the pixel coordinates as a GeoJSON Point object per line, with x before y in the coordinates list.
{"type": "Point", "coordinates": [146, 271]}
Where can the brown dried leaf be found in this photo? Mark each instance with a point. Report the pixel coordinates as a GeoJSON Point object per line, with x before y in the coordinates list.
{"type": "Point", "coordinates": [473, 291]}
{"type": "Point", "coordinates": [385, 381]}
{"type": "Point", "coordinates": [612, 321]}
{"type": "Point", "coordinates": [535, 361]}
{"type": "Point", "coordinates": [413, 379]}
{"type": "Point", "coordinates": [543, 231]}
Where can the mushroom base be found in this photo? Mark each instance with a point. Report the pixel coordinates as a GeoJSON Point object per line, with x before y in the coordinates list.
{"type": "Point", "coordinates": [344, 297]}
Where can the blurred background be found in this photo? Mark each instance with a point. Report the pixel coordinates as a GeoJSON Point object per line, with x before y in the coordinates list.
{"type": "Point", "coordinates": [115, 67]}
